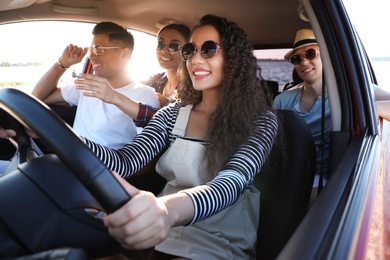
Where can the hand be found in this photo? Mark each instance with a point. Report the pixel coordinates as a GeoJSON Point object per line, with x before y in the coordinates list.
{"type": "Point", "coordinates": [7, 133]}
{"type": "Point", "coordinates": [142, 222]}
{"type": "Point", "coordinates": [97, 87]}
{"type": "Point", "coordinates": [72, 54]}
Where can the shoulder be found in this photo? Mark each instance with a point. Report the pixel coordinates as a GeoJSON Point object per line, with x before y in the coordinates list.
{"type": "Point", "coordinates": [152, 80]}
{"type": "Point", "coordinates": [137, 85]}
{"type": "Point", "coordinates": [171, 108]}
{"type": "Point", "coordinates": [165, 117]}
{"type": "Point", "coordinates": [137, 88]}
{"type": "Point", "coordinates": [268, 117]}
{"type": "Point", "coordinates": [158, 76]}
{"type": "Point", "coordinates": [141, 86]}
{"type": "Point", "coordinates": [286, 99]}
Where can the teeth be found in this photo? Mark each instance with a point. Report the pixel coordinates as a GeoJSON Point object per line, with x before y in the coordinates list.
{"type": "Point", "coordinates": [96, 65]}
{"type": "Point", "coordinates": [199, 73]}
{"type": "Point", "coordinates": [165, 59]}
{"type": "Point", "coordinates": [307, 70]}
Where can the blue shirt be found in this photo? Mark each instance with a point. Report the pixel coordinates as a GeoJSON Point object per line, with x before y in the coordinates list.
{"type": "Point", "coordinates": [289, 100]}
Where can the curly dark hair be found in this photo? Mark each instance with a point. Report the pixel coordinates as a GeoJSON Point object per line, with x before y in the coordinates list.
{"type": "Point", "coordinates": [243, 98]}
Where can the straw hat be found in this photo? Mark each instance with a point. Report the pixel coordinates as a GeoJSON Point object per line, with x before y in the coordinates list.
{"type": "Point", "coordinates": [304, 37]}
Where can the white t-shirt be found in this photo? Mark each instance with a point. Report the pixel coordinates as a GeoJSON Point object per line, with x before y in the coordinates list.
{"type": "Point", "coordinates": [105, 123]}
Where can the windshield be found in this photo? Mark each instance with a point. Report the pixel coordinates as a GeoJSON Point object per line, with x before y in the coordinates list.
{"type": "Point", "coordinates": [33, 47]}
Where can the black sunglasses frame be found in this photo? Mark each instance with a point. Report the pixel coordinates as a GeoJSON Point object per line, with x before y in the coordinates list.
{"type": "Point", "coordinates": [206, 52]}
{"type": "Point", "coordinates": [309, 54]}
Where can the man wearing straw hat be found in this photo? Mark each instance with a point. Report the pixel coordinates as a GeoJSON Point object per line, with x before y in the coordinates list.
{"type": "Point", "coordinates": [307, 98]}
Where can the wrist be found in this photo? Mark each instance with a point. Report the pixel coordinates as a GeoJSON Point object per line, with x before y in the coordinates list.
{"type": "Point", "coordinates": [180, 209]}
{"type": "Point", "coordinates": [61, 65]}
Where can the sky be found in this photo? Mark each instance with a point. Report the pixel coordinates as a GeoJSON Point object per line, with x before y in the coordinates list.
{"type": "Point", "coordinates": [371, 19]}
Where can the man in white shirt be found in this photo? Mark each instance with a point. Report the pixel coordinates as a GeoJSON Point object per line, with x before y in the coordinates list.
{"type": "Point", "coordinates": [110, 54]}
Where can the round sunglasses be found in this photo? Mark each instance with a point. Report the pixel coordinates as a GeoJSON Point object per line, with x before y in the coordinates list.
{"type": "Point", "coordinates": [207, 50]}
{"type": "Point", "coordinates": [309, 54]}
{"type": "Point", "coordinates": [173, 47]}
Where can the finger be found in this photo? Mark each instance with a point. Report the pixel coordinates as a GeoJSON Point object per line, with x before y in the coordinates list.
{"type": "Point", "coordinates": [128, 187]}
{"type": "Point", "coordinates": [7, 133]}
{"type": "Point", "coordinates": [145, 239]}
{"type": "Point", "coordinates": [77, 53]}
{"type": "Point", "coordinates": [144, 231]}
{"type": "Point", "coordinates": [85, 85]}
{"type": "Point", "coordinates": [94, 77]}
{"type": "Point", "coordinates": [133, 216]}
{"type": "Point", "coordinates": [131, 229]}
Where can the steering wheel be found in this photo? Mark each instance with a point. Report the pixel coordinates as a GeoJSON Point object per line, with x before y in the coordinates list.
{"type": "Point", "coordinates": [33, 114]}
{"type": "Point", "coordinates": [62, 140]}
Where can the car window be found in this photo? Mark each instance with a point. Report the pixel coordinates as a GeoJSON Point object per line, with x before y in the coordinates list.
{"type": "Point", "coordinates": [32, 48]}
{"type": "Point", "coordinates": [274, 67]}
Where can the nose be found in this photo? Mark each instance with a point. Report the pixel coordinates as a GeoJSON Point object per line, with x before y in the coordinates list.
{"type": "Point", "coordinates": [197, 58]}
{"type": "Point", "coordinates": [91, 55]}
{"type": "Point", "coordinates": [303, 60]}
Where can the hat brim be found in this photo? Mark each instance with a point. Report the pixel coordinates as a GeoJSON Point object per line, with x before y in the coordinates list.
{"type": "Point", "coordinates": [288, 55]}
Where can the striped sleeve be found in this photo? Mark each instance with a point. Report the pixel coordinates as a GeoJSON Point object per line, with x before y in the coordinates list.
{"type": "Point", "coordinates": [134, 156]}
{"type": "Point", "coordinates": [230, 183]}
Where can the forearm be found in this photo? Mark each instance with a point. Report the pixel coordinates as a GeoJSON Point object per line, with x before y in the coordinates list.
{"type": "Point", "coordinates": [383, 109]}
{"type": "Point", "coordinates": [48, 83]}
{"type": "Point", "coordinates": [230, 183]}
{"type": "Point", "coordinates": [145, 113]}
{"type": "Point", "coordinates": [46, 88]}
{"type": "Point", "coordinates": [381, 95]}
{"type": "Point", "coordinates": [127, 105]}
{"type": "Point", "coordinates": [180, 209]}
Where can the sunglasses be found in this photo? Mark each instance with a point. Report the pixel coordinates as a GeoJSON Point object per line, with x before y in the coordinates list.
{"type": "Point", "coordinates": [98, 50]}
{"type": "Point", "coordinates": [173, 47]}
{"type": "Point", "coordinates": [309, 54]}
{"type": "Point", "coordinates": [207, 50]}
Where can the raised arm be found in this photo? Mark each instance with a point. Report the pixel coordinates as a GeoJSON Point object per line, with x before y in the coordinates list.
{"type": "Point", "coordinates": [46, 89]}
{"type": "Point", "coordinates": [382, 102]}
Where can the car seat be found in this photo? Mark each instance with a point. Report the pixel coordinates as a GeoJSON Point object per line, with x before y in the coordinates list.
{"type": "Point", "coordinates": [296, 80]}
{"type": "Point", "coordinates": [284, 203]}
{"type": "Point", "coordinates": [273, 87]}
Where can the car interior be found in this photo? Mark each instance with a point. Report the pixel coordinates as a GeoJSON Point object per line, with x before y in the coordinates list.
{"type": "Point", "coordinates": [43, 168]}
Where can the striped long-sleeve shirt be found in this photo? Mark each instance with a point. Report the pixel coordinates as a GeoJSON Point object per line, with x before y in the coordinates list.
{"type": "Point", "coordinates": [215, 195]}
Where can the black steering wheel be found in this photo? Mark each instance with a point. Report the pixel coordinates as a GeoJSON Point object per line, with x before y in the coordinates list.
{"type": "Point", "coordinates": [62, 140]}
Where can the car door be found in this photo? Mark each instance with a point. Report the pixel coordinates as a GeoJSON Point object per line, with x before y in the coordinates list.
{"type": "Point", "coordinates": [337, 224]}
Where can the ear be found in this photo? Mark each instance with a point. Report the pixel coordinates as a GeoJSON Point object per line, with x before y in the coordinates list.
{"type": "Point", "coordinates": [126, 52]}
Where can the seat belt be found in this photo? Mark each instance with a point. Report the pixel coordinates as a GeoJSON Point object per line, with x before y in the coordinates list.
{"type": "Point", "coordinates": [322, 144]}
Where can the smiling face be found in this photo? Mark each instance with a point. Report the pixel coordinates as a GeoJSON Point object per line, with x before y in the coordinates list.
{"type": "Point", "coordinates": [206, 74]}
{"type": "Point", "coordinates": [113, 61]}
{"type": "Point", "coordinates": [166, 59]}
{"type": "Point", "coordinates": [309, 70]}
